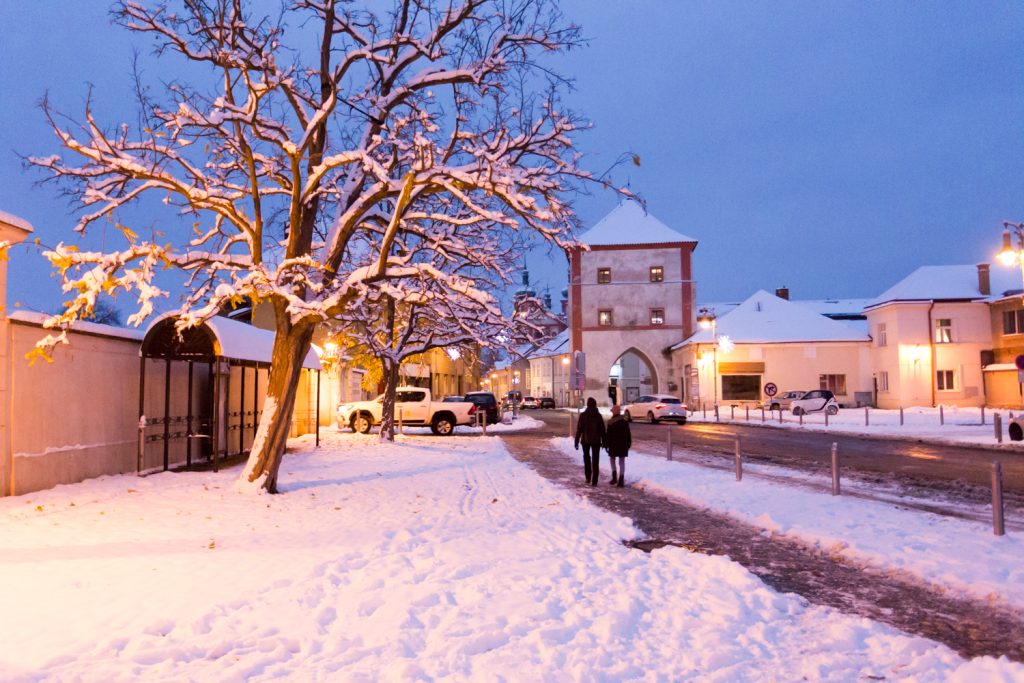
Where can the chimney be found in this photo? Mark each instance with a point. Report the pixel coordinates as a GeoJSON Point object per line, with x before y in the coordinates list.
{"type": "Point", "coordinates": [782, 293]}
{"type": "Point", "coordinates": [984, 284]}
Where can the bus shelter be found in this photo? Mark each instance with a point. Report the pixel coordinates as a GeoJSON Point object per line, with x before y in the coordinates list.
{"type": "Point", "coordinates": [201, 390]}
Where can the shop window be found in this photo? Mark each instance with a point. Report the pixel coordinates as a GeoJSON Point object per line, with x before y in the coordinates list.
{"type": "Point", "coordinates": [741, 387]}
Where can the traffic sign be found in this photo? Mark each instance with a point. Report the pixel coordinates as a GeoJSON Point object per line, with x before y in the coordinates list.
{"type": "Point", "coordinates": [770, 389]}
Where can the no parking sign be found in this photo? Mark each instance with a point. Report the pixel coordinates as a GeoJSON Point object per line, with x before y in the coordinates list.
{"type": "Point", "coordinates": [770, 389]}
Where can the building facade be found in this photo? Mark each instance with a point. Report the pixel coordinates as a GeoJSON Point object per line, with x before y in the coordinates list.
{"type": "Point", "coordinates": [631, 297]}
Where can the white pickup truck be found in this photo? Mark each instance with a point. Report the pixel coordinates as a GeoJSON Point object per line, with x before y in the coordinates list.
{"type": "Point", "coordinates": [414, 406]}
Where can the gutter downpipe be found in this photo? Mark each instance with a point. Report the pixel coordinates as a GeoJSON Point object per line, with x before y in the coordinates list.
{"type": "Point", "coordinates": [931, 345]}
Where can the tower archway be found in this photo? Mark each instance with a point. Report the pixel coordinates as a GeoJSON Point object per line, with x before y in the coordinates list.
{"type": "Point", "coordinates": [631, 375]}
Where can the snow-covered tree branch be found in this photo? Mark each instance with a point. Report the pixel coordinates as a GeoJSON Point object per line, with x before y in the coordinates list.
{"type": "Point", "coordinates": [299, 146]}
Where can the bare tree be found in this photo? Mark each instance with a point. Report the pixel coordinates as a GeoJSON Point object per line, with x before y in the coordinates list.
{"type": "Point", "coordinates": [303, 145]}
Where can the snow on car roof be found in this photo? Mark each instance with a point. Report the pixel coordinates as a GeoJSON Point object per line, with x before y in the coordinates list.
{"type": "Point", "coordinates": [628, 223]}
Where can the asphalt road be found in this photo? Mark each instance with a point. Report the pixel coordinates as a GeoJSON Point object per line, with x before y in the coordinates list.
{"type": "Point", "coordinates": [911, 464]}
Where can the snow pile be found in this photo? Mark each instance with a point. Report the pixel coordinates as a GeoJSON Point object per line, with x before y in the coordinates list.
{"type": "Point", "coordinates": [953, 553]}
{"type": "Point", "coordinates": [957, 425]}
{"type": "Point", "coordinates": [418, 560]}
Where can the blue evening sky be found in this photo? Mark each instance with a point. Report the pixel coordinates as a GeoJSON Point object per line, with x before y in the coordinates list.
{"type": "Point", "coordinates": [831, 147]}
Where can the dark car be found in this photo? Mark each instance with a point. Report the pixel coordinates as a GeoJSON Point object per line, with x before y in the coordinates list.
{"type": "Point", "coordinates": [547, 402]}
{"type": "Point", "coordinates": [485, 401]}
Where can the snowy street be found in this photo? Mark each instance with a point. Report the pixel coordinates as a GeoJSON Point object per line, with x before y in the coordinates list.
{"type": "Point", "coordinates": [421, 560]}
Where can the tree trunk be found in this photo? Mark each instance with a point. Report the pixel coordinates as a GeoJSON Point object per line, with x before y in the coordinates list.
{"type": "Point", "coordinates": [387, 416]}
{"type": "Point", "coordinates": [290, 349]}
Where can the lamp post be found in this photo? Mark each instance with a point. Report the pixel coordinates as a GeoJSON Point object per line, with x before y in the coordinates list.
{"type": "Point", "coordinates": [708, 319]}
{"type": "Point", "coordinates": [1011, 255]}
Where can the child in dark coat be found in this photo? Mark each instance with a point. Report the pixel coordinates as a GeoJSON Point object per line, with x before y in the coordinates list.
{"type": "Point", "coordinates": [617, 440]}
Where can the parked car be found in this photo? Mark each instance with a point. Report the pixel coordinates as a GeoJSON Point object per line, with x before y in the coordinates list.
{"type": "Point", "coordinates": [655, 408]}
{"type": "Point", "coordinates": [547, 402]}
{"type": "Point", "coordinates": [512, 400]}
{"type": "Point", "coordinates": [817, 401]}
{"type": "Point", "coordinates": [485, 401]}
{"type": "Point", "coordinates": [784, 400]}
{"type": "Point", "coordinates": [414, 406]}
{"type": "Point", "coordinates": [530, 402]}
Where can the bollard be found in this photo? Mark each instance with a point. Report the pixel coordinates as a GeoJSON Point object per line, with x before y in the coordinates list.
{"type": "Point", "coordinates": [739, 462]}
{"type": "Point", "coordinates": [704, 409]}
{"type": "Point", "coordinates": [732, 413]}
{"type": "Point", "coordinates": [762, 413]}
{"type": "Point", "coordinates": [401, 429]}
{"type": "Point", "coordinates": [571, 432]}
{"type": "Point", "coordinates": [998, 526]}
{"type": "Point", "coordinates": [865, 416]}
{"type": "Point", "coordinates": [942, 418]}
{"type": "Point", "coordinates": [780, 415]}
{"type": "Point", "coordinates": [901, 416]}
{"type": "Point", "coordinates": [483, 423]}
{"type": "Point", "coordinates": [835, 469]}
{"type": "Point", "coordinates": [997, 423]}
{"type": "Point", "coordinates": [802, 418]}
{"type": "Point", "coordinates": [668, 445]}
{"type": "Point", "coordinates": [716, 412]}
{"type": "Point", "coordinates": [983, 415]}
{"type": "Point", "coordinates": [748, 413]}
{"type": "Point", "coordinates": [826, 418]}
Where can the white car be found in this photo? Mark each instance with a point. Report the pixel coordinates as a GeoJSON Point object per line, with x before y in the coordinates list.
{"type": "Point", "coordinates": [817, 401]}
{"type": "Point", "coordinates": [413, 406]}
{"type": "Point", "coordinates": [654, 408]}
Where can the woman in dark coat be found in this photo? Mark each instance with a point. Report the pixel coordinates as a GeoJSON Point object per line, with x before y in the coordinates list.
{"type": "Point", "coordinates": [590, 432]}
{"type": "Point", "coordinates": [618, 440]}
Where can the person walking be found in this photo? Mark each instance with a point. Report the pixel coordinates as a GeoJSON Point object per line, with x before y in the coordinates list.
{"type": "Point", "coordinates": [617, 440]}
{"type": "Point", "coordinates": [590, 432]}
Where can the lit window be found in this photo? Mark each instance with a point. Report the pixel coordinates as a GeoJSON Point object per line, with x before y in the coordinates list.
{"type": "Point", "coordinates": [943, 331]}
{"type": "Point", "coordinates": [945, 380]}
{"type": "Point", "coordinates": [604, 318]}
{"type": "Point", "coordinates": [657, 316]}
{"type": "Point", "coordinates": [834, 383]}
{"type": "Point", "coordinates": [657, 274]}
{"type": "Point", "coordinates": [882, 337]}
{"type": "Point", "coordinates": [604, 276]}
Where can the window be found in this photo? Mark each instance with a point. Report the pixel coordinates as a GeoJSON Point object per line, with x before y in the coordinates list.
{"type": "Point", "coordinates": [657, 316]}
{"type": "Point", "coordinates": [1013, 322]}
{"type": "Point", "coordinates": [604, 317]}
{"type": "Point", "coordinates": [604, 276]}
{"type": "Point", "coordinates": [834, 383]}
{"type": "Point", "coordinates": [741, 387]}
{"type": "Point", "coordinates": [657, 274]}
{"type": "Point", "coordinates": [943, 330]}
{"type": "Point", "coordinates": [410, 396]}
{"type": "Point", "coordinates": [882, 337]}
{"type": "Point", "coordinates": [945, 380]}
{"type": "Point", "coordinates": [883, 381]}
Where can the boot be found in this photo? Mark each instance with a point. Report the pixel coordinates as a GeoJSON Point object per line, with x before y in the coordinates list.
{"type": "Point", "coordinates": [614, 479]}
{"type": "Point", "coordinates": [622, 480]}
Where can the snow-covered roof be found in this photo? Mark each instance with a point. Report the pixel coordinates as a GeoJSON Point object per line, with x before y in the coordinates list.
{"type": "Point", "coordinates": [37, 318]}
{"type": "Point", "coordinates": [242, 341]}
{"type": "Point", "coordinates": [628, 223]}
{"type": "Point", "coordinates": [960, 283]}
{"type": "Point", "coordinates": [555, 346]}
{"type": "Point", "coordinates": [765, 319]}
{"type": "Point", "coordinates": [16, 221]}
{"type": "Point", "coordinates": [834, 307]}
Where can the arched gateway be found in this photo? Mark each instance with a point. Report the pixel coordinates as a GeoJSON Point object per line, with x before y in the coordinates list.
{"type": "Point", "coordinates": [631, 375]}
{"type": "Point", "coordinates": [631, 296]}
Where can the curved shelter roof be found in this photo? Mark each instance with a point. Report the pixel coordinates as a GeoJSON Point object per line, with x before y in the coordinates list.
{"type": "Point", "coordinates": [218, 337]}
{"type": "Point", "coordinates": [628, 223]}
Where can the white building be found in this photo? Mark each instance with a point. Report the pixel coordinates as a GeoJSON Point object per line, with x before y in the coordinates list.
{"type": "Point", "coordinates": [767, 339]}
{"type": "Point", "coordinates": [631, 296]}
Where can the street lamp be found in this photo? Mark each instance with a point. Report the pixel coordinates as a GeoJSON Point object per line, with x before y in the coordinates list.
{"type": "Point", "coordinates": [706, 319]}
{"type": "Point", "coordinates": [1011, 255]}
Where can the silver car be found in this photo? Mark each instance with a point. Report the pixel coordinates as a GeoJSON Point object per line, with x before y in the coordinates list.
{"type": "Point", "coordinates": [654, 408]}
{"type": "Point", "coordinates": [784, 400]}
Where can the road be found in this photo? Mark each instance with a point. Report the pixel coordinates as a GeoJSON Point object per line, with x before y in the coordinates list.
{"type": "Point", "coordinates": [959, 473]}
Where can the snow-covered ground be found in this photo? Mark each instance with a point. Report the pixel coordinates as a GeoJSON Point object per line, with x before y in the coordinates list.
{"type": "Point", "coordinates": [420, 560]}
{"type": "Point", "coordinates": [952, 553]}
{"type": "Point", "coordinates": [956, 425]}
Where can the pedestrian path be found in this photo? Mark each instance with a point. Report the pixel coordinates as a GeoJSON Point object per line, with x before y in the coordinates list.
{"type": "Point", "coordinates": [971, 628]}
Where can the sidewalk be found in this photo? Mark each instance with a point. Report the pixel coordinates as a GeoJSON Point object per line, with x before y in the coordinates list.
{"type": "Point", "coordinates": [970, 627]}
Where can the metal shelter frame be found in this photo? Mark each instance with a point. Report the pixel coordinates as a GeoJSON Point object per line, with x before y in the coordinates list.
{"type": "Point", "coordinates": [217, 346]}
